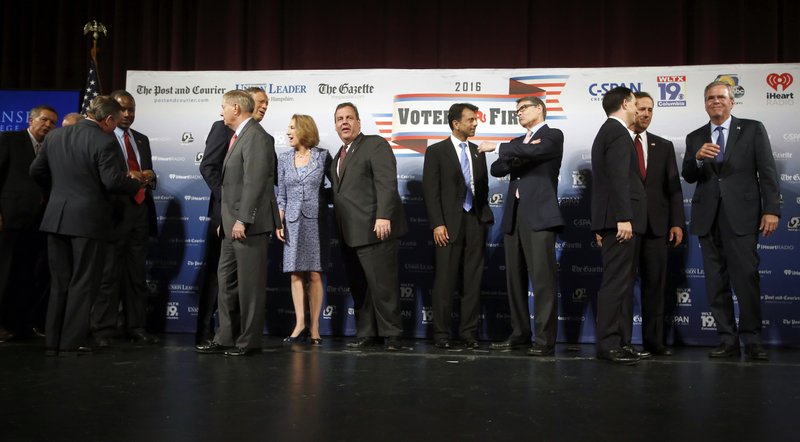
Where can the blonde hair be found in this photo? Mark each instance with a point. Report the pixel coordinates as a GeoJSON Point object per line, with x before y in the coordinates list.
{"type": "Point", "coordinates": [306, 130]}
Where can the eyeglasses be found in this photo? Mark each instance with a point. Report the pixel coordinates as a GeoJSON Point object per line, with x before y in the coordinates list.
{"type": "Point", "coordinates": [523, 107]}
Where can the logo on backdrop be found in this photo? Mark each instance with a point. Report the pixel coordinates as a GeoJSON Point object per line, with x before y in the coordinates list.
{"type": "Point", "coordinates": [598, 90]}
{"type": "Point", "coordinates": [733, 80]}
{"type": "Point", "coordinates": [707, 321]}
{"type": "Point", "coordinates": [780, 83]}
{"type": "Point", "coordinates": [187, 138]}
{"type": "Point", "coordinates": [793, 224]}
{"type": "Point", "coordinates": [671, 90]}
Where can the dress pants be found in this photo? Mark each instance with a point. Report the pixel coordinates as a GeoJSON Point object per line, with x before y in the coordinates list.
{"type": "Point", "coordinates": [732, 259]}
{"type": "Point", "coordinates": [615, 297]}
{"type": "Point", "coordinates": [76, 266]}
{"type": "Point", "coordinates": [653, 285]}
{"type": "Point", "coordinates": [533, 253]}
{"type": "Point", "coordinates": [242, 278]}
{"type": "Point", "coordinates": [124, 277]}
{"type": "Point", "coordinates": [461, 260]}
{"type": "Point", "coordinates": [373, 275]}
{"type": "Point", "coordinates": [207, 303]}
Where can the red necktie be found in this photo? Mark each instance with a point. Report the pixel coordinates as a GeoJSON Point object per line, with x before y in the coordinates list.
{"type": "Point", "coordinates": [133, 165]}
{"type": "Point", "coordinates": [640, 154]}
{"type": "Point", "coordinates": [341, 159]}
{"type": "Point", "coordinates": [233, 140]}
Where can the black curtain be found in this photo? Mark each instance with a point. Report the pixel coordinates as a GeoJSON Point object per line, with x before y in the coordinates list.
{"type": "Point", "coordinates": [43, 46]}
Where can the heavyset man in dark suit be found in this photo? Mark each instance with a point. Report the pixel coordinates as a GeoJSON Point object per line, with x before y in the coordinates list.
{"type": "Point", "coordinates": [124, 273]}
{"type": "Point", "coordinates": [737, 196]}
{"type": "Point", "coordinates": [665, 222]}
{"type": "Point", "coordinates": [217, 143]}
{"type": "Point", "coordinates": [249, 216]}
{"type": "Point", "coordinates": [370, 218]}
{"type": "Point", "coordinates": [455, 186]}
{"type": "Point", "coordinates": [619, 216]}
{"type": "Point", "coordinates": [23, 248]}
{"type": "Point", "coordinates": [531, 218]}
{"type": "Point", "coordinates": [79, 165]}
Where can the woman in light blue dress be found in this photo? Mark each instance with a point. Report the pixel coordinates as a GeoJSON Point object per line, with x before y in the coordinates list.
{"type": "Point", "coordinates": [301, 184]}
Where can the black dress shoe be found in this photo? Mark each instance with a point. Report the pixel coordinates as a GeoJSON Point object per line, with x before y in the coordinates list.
{"type": "Point", "coordinates": [142, 337]}
{"type": "Point", "coordinates": [295, 339]}
{"type": "Point", "coordinates": [724, 351]}
{"type": "Point", "coordinates": [541, 350]}
{"type": "Point", "coordinates": [241, 351]}
{"type": "Point", "coordinates": [636, 353]}
{"type": "Point", "coordinates": [102, 341]}
{"type": "Point", "coordinates": [755, 352]}
{"type": "Point", "coordinates": [619, 356]}
{"type": "Point", "coordinates": [210, 348]}
{"type": "Point", "coordinates": [362, 343]}
{"type": "Point", "coordinates": [471, 344]}
{"type": "Point", "coordinates": [506, 345]}
{"type": "Point", "coordinates": [442, 343]}
{"type": "Point", "coordinates": [393, 344]}
{"type": "Point", "coordinates": [661, 351]}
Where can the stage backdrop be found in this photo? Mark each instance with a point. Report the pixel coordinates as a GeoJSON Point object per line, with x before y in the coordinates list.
{"type": "Point", "coordinates": [409, 108]}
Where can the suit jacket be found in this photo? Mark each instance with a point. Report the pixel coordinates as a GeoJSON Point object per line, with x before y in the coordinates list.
{"type": "Point", "coordinates": [211, 167]}
{"type": "Point", "coordinates": [366, 189]}
{"type": "Point", "coordinates": [663, 187]}
{"type": "Point", "coordinates": [248, 193]}
{"type": "Point", "coordinates": [21, 199]}
{"type": "Point", "coordinates": [617, 189]}
{"type": "Point", "coordinates": [82, 163]}
{"type": "Point", "coordinates": [302, 193]}
{"type": "Point", "coordinates": [444, 188]}
{"type": "Point", "coordinates": [746, 182]}
{"type": "Point", "coordinates": [122, 203]}
{"type": "Point", "coordinates": [534, 172]}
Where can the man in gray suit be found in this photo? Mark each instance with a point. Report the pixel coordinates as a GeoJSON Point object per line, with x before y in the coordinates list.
{"type": "Point", "coordinates": [79, 165]}
{"type": "Point", "coordinates": [370, 217]}
{"type": "Point", "coordinates": [249, 216]}
{"type": "Point", "coordinates": [737, 196]}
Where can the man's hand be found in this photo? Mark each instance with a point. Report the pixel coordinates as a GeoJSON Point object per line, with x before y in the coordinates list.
{"type": "Point", "coordinates": [237, 233]}
{"type": "Point", "coordinates": [279, 234]}
{"type": "Point", "coordinates": [624, 231]}
{"type": "Point", "coordinates": [708, 150]}
{"type": "Point", "coordinates": [383, 228]}
{"type": "Point", "coordinates": [487, 146]}
{"type": "Point", "coordinates": [148, 176]}
{"type": "Point", "coordinates": [440, 236]}
{"type": "Point", "coordinates": [768, 224]}
{"type": "Point", "coordinates": [675, 236]}
{"type": "Point", "coordinates": [598, 239]}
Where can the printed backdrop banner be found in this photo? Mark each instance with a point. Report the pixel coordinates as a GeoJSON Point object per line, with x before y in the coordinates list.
{"type": "Point", "coordinates": [409, 109]}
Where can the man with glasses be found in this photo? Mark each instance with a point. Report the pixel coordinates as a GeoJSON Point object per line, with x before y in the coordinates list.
{"type": "Point", "coordinates": [531, 218]}
{"type": "Point", "coordinates": [737, 196]}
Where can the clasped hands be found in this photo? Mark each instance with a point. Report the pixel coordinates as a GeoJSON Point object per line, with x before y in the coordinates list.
{"type": "Point", "coordinates": [144, 177]}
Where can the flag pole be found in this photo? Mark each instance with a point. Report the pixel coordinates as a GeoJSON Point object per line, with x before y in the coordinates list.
{"type": "Point", "coordinates": [93, 87]}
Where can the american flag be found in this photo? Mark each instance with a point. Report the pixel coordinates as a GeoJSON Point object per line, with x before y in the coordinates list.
{"type": "Point", "coordinates": [92, 88]}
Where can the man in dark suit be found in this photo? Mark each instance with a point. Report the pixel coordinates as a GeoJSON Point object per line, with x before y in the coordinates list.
{"type": "Point", "coordinates": [249, 216]}
{"type": "Point", "coordinates": [619, 216]}
{"type": "Point", "coordinates": [124, 273]}
{"type": "Point", "coordinates": [211, 168]}
{"type": "Point", "coordinates": [737, 196]}
{"type": "Point", "coordinates": [531, 218]}
{"type": "Point", "coordinates": [79, 165]}
{"type": "Point", "coordinates": [455, 186]}
{"type": "Point", "coordinates": [23, 248]}
{"type": "Point", "coordinates": [665, 222]}
{"type": "Point", "coordinates": [370, 218]}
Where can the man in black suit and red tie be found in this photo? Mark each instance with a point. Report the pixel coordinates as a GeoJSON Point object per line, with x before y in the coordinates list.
{"type": "Point", "coordinates": [79, 165]}
{"type": "Point", "coordinates": [370, 218]}
{"type": "Point", "coordinates": [455, 186]}
{"type": "Point", "coordinates": [619, 216]}
{"type": "Point", "coordinates": [531, 218]}
{"type": "Point", "coordinates": [737, 195]}
{"type": "Point", "coordinates": [23, 248]}
{"type": "Point", "coordinates": [665, 223]}
{"type": "Point", "coordinates": [124, 274]}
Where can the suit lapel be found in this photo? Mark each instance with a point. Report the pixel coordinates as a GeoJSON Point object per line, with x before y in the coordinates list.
{"type": "Point", "coordinates": [236, 143]}
{"type": "Point", "coordinates": [733, 137]}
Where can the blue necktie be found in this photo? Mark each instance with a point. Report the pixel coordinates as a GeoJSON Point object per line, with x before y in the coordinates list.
{"type": "Point", "coordinates": [467, 176]}
{"type": "Point", "coordinates": [721, 144]}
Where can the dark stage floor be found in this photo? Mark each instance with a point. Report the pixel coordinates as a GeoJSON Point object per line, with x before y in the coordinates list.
{"type": "Point", "coordinates": [168, 393]}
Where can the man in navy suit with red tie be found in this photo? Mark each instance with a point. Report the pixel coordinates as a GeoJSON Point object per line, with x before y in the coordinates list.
{"type": "Point", "coordinates": [531, 219]}
{"type": "Point", "coordinates": [737, 196]}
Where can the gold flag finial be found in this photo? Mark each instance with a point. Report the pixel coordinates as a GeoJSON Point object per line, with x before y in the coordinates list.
{"type": "Point", "coordinates": [96, 29]}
